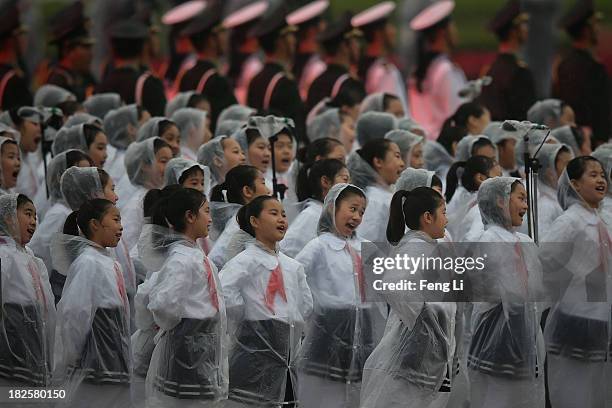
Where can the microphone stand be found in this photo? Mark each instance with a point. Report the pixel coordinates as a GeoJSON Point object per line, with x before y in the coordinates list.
{"type": "Point", "coordinates": [532, 167]}
{"type": "Point", "coordinates": [277, 189]}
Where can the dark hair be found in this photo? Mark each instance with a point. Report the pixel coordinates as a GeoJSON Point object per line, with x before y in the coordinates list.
{"type": "Point", "coordinates": [236, 179]}
{"type": "Point", "coordinates": [252, 209]}
{"type": "Point", "coordinates": [90, 132]}
{"type": "Point", "coordinates": [190, 172]}
{"type": "Point", "coordinates": [195, 100]}
{"type": "Point", "coordinates": [377, 148]}
{"type": "Point", "coordinates": [348, 96]}
{"type": "Point", "coordinates": [252, 135]}
{"type": "Point", "coordinates": [578, 135]}
{"type": "Point", "coordinates": [164, 125]}
{"type": "Point", "coordinates": [74, 156]}
{"type": "Point", "coordinates": [408, 214]}
{"type": "Point", "coordinates": [474, 165]}
{"type": "Point", "coordinates": [104, 177]}
{"type": "Point", "coordinates": [514, 185]}
{"type": "Point", "coordinates": [436, 182]}
{"type": "Point", "coordinates": [169, 210]}
{"type": "Point", "coordinates": [465, 111]}
{"type": "Point", "coordinates": [575, 31]}
{"type": "Point", "coordinates": [268, 42]}
{"type": "Point", "coordinates": [577, 166]}
{"type": "Point", "coordinates": [370, 29]}
{"type": "Point", "coordinates": [450, 134]}
{"type": "Point", "coordinates": [94, 209]}
{"type": "Point", "coordinates": [154, 195]}
{"type": "Point", "coordinates": [126, 48]}
{"type": "Point", "coordinates": [140, 111]}
{"type": "Point", "coordinates": [159, 144]}
{"type": "Point", "coordinates": [424, 56]}
{"type": "Point", "coordinates": [563, 149]}
{"type": "Point", "coordinates": [387, 99]}
{"type": "Point", "coordinates": [69, 108]}
{"type": "Point", "coordinates": [481, 142]}
{"type": "Point", "coordinates": [198, 40]}
{"type": "Point", "coordinates": [309, 178]}
{"type": "Point", "coordinates": [23, 199]}
{"type": "Point", "coordinates": [350, 191]}
{"type": "Point", "coordinates": [9, 141]}
{"type": "Point", "coordinates": [320, 147]}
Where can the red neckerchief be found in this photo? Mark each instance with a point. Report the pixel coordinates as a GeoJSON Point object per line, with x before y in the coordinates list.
{"type": "Point", "coordinates": [120, 285]}
{"type": "Point", "coordinates": [212, 287]}
{"type": "Point", "coordinates": [275, 285]}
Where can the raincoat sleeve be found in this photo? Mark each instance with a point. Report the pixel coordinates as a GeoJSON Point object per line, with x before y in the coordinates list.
{"type": "Point", "coordinates": [166, 297]}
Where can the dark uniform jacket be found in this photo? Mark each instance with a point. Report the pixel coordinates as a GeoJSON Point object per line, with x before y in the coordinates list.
{"type": "Point", "coordinates": [205, 79]}
{"type": "Point", "coordinates": [276, 91]}
{"type": "Point", "coordinates": [583, 83]}
{"type": "Point", "coordinates": [136, 86]}
{"type": "Point", "coordinates": [81, 86]}
{"type": "Point", "coordinates": [512, 91]}
{"type": "Point", "coordinates": [14, 90]}
{"type": "Point", "coordinates": [323, 85]}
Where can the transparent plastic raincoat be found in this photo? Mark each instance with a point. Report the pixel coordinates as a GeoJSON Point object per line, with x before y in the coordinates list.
{"type": "Point", "coordinates": [100, 104]}
{"type": "Point", "coordinates": [577, 258]}
{"type": "Point", "coordinates": [93, 362]}
{"type": "Point", "coordinates": [27, 314]}
{"type": "Point", "coordinates": [344, 328]}
{"type": "Point", "coordinates": [117, 126]}
{"type": "Point", "coordinates": [267, 300]}
{"type": "Point", "coordinates": [192, 124]}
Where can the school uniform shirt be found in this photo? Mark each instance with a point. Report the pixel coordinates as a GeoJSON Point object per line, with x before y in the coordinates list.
{"type": "Point", "coordinates": [268, 301]}
{"type": "Point", "coordinates": [27, 324]}
{"type": "Point", "coordinates": [373, 226]}
{"type": "Point", "coordinates": [52, 224]}
{"type": "Point", "coordinates": [383, 76]}
{"type": "Point", "coordinates": [205, 78]}
{"type": "Point", "coordinates": [186, 303]}
{"type": "Point", "coordinates": [303, 229]}
{"type": "Point", "coordinates": [439, 99]}
{"type": "Point", "coordinates": [340, 335]}
{"type": "Point", "coordinates": [132, 217]}
{"type": "Point", "coordinates": [584, 260]}
{"type": "Point", "coordinates": [506, 352]}
{"type": "Point", "coordinates": [413, 360]}
{"type": "Point", "coordinates": [92, 343]}
{"type": "Point", "coordinates": [28, 182]}
{"type": "Point", "coordinates": [218, 254]}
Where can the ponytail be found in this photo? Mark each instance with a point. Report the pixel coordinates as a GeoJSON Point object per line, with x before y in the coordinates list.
{"type": "Point", "coordinates": [407, 213]}
{"type": "Point", "coordinates": [236, 179]}
{"type": "Point", "coordinates": [252, 209]}
{"type": "Point", "coordinates": [170, 209]}
{"type": "Point", "coordinates": [309, 178]}
{"type": "Point", "coordinates": [473, 166]}
{"type": "Point", "coordinates": [154, 195]}
{"type": "Point", "coordinates": [452, 180]}
{"type": "Point", "coordinates": [78, 221]}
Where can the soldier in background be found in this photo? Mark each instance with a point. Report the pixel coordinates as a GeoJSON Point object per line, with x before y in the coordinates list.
{"type": "Point", "coordinates": [341, 45]}
{"type": "Point", "coordinates": [70, 33]}
{"type": "Point", "coordinates": [512, 91]}
{"type": "Point", "coordinates": [14, 88]}
{"type": "Point", "coordinates": [377, 71]}
{"type": "Point", "coordinates": [128, 78]}
{"type": "Point", "coordinates": [581, 80]}
{"type": "Point", "coordinates": [307, 64]}
{"type": "Point", "coordinates": [274, 89]}
{"type": "Point", "coordinates": [208, 38]}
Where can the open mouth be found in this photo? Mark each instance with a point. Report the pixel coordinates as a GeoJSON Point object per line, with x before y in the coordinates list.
{"type": "Point", "coordinates": [601, 189]}
{"type": "Point", "coordinates": [265, 162]}
{"type": "Point", "coordinates": [351, 226]}
{"type": "Point", "coordinates": [281, 229]}
{"type": "Point", "coordinates": [31, 231]}
{"type": "Point", "coordinates": [118, 236]}
{"type": "Point", "coordinates": [37, 140]}
{"type": "Point", "coordinates": [522, 213]}
{"type": "Point", "coordinates": [286, 162]}
{"type": "Point", "coordinates": [102, 163]}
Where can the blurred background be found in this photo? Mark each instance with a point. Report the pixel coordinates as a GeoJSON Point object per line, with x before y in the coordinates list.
{"type": "Point", "coordinates": [475, 51]}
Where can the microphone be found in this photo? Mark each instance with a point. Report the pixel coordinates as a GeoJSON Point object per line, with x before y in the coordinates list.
{"type": "Point", "coordinates": [474, 88]}
{"type": "Point", "coordinates": [525, 126]}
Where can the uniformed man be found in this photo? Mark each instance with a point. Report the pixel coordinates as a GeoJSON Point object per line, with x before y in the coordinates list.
{"type": "Point", "coordinates": [14, 89]}
{"type": "Point", "coordinates": [274, 89]}
{"type": "Point", "coordinates": [512, 91]}
{"type": "Point", "coordinates": [377, 71]}
{"type": "Point", "coordinates": [307, 64]}
{"type": "Point", "coordinates": [581, 80]}
{"type": "Point", "coordinates": [208, 38]}
{"type": "Point", "coordinates": [245, 57]}
{"type": "Point", "coordinates": [436, 83]}
{"type": "Point", "coordinates": [70, 33]}
{"type": "Point", "coordinates": [341, 44]}
{"type": "Point", "coordinates": [127, 77]}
